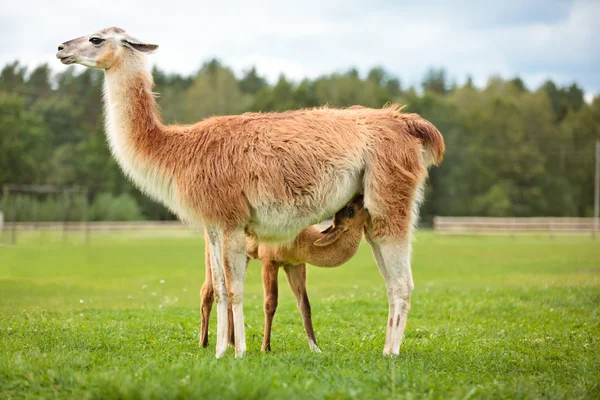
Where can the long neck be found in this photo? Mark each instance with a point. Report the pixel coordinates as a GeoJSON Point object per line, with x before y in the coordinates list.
{"type": "Point", "coordinates": [332, 255]}
{"type": "Point", "coordinates": [130, 105]}
{"type": "Point", "coordinates": [135, 133]}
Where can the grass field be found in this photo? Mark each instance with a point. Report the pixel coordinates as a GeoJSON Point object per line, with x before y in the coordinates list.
{"type": "Point", "coordinates": [492, 317]}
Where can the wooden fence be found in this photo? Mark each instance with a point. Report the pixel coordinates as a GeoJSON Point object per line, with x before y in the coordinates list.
{"type": "Point", "coordinates": [513, 226]}
{"type": "Point", "coordinates": [96, 226]}
{"type": "Point", "coordinates": [441, 225]}
{"type": "Point", "coordinates": [10, 231]}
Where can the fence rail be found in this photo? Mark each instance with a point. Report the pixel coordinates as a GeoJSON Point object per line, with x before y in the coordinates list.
{"type": "Point", "coordinates": [441, 225]}
{"type": "Point", "coordinates": [511, 226]}
{"type": "Point", "coordinates": [95, 226]}
{"type": "Point", "coordinates": [10, 232]}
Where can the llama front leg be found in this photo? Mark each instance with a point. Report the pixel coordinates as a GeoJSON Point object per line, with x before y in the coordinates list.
{"type": "Point", "coordinates": [215, 239]}
{"type": "Point", "coordinates": [207, 296]}
{"type": "Point", "coordinates": [270, 270]}
{"type": "Point", "coordinates": [231, 330]}
{"type": "Point", "coordinates": [234, 266]}
{"type": "Point", "coordinates": [393, 260]}
{"type": "Point", "coordinates": [296, 275]}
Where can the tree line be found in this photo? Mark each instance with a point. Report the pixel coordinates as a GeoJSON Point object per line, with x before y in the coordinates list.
{"type": "Point", "coordinates": [511, 150]}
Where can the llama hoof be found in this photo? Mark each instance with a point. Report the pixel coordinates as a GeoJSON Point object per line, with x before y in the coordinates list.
{"type": "Point", "coordinates": [314, 347]}
{"type": "Point", "coordinates": [390, 353]}
{"type": "Point", "coordinates": [266, 348]}
{"type": "Point", "coordinates": [240, 352]}
{"type": "Point", "coordinates": [220, 352]}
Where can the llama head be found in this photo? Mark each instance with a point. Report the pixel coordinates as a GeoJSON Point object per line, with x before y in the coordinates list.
{"type": "Point", "coordinates": [103, 49]}
{"type": "Point", "coordinates": [352, 217]}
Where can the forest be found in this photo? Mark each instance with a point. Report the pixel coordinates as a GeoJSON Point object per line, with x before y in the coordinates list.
{"type": "Point", "coordinates": [511, 150]}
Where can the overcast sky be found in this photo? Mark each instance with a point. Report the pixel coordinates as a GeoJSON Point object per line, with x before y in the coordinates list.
{"type": "Point", "coordinates": [534, 39]}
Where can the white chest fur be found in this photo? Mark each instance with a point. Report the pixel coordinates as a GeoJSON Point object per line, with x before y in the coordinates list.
{"type": "Point", "coordinates": [150, 178]}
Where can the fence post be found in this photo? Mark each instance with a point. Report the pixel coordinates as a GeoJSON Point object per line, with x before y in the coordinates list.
{"type": "Point", "coordinates": [86, 216]}
{"type": "Point", "coordinates": [6, 193]}
{"type": "Point", "coordinates": [66, 218]}
{"type": "Point", "coordinates": [597, 190]}
{"type": "Point", "coordinates": [14, 227]}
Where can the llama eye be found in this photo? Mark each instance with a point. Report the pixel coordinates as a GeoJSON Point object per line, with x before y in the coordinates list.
{"type": "Point", "coordinates": [96, 41]}
{"type": "Point", "coordinates": [351, 212]}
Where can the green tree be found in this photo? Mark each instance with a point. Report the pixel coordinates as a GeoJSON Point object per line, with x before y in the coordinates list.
{"type": "Point", "coordinates": [215, 91]}
{"type": "Point", "coordinates": [564, 99]}
{"type": "Point", "coordinates": [278, 98]}
{"type": "Point", "coordinates": [436, 81]}
{"type": "Point", "coordinates": [12, 78]}
{"type": "Point", "coordinates": [38, 84]}
{"type": "Point", "coordinates": [579, 131]}
{"type": "Point", "coordinates": [23, 138]}
{"type": "Point", "coordinates": [510, 151]}
{"type": "Point", "coordinates": [252, 83]}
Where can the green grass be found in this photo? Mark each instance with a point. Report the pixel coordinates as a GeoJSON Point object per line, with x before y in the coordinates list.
{"type": "Point", "coordinates": [492, 317]}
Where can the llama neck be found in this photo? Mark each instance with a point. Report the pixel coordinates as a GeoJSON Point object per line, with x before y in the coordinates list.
{"type": "Point", "coordinates": [331, 255]}
{"type": "Point", "coordinates": [135, 133]}
{"type": "Point", "coordinates": [131, 109]}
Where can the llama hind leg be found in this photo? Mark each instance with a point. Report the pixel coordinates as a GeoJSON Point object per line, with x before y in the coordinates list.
{"type": "Point", "coordinates": [390, 240]}
{"type": "Point", "coordinates": [270, 287]}
{"type": "Point", "coordinates": [296, 275]}
{"type": "Point", "coordinates": [393, 260]}
{"type": "Point", "coordinates": [392, 193]}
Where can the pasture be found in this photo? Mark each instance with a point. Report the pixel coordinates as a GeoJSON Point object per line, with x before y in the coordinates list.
{"type": "Point", "coordinates": [492, 317]}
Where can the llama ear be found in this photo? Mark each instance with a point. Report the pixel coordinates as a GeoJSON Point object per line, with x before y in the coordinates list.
{"type": "Point", "coordinates": [139, 46]}
{"type": "Point", "coordinates": [331, 235]}
{"type": "Point", "coordinates": [328, 229]}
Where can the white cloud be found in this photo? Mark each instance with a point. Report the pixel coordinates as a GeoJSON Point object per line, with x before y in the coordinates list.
{"type": "Point", "coordinates": [536, 40]}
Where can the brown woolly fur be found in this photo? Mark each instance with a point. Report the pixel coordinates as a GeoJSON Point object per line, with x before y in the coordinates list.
{"type": "Point", "coordinates": [245, 156]}
{"type": "Point", "coordinates": [341, 240]}
{"type": "Point", "coordinates": [267, 175]}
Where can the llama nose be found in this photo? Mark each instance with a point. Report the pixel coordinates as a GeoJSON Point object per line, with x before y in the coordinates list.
{"type": "Point", "coordinates": [61, 47]}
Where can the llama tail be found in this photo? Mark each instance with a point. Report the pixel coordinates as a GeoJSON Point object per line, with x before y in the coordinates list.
{"type": "Point", "coordinates": [433, 142]}
{"type": "Point", "coordinates": [420, 128]}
